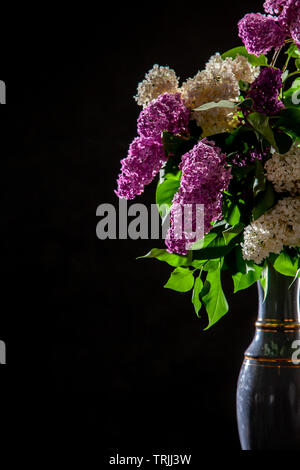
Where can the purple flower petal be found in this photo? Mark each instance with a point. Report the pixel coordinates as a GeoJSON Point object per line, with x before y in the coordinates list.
{"type": "Point", "coordinates": [264, 92]}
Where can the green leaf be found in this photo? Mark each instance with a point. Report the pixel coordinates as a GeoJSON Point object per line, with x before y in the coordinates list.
{"type": "Point", "coordinates": [198, 263]}
{"type": "Point", "coordinates": [165, 193]}
{"type": "Point", "coordinates": [211, 265]}
{"type": "Point", "coordinates": [260, 122]}
{"type": "Point", "coordinates": [291, 94]}
{"type": "Point", "coordinates": [253, 59]}
{"type": "Point", "coordinates": [240, 261]}
{"type": "Point", "coordinates": [216, 249]}
{"type": "Point", "coordinates": [214, 298]}
{"type": "Point", "coordinates": [234, 215]}
{"type": "Point", "coordinates": [287, 265]}
{"type": "Point", "coordinates": [243, 281]}
{"type": "Point", "coordinates": [181, 280]}
{"type": "Point", "coordinates": [264, 201]}
{"type": "Point", "coordinates": [232, 232]}
{"type": "Point", "coordinates": [259, 184]}
{"type": "Point", "coordinates": [217, 104]}
{"type": "Point", "coordinates": [204, 242]}
{"type": "Point", "coordinates": [293, 51]}
{"type": "Point", "coordinates": [231, 211]}
{"type": "Point", "coordinates": [289, 120]}
{"type": "Point", "coordinates": [283, 141]}
{"type": "Point", "coordinates": [235, 261]}
{"type": "Point", "coordinates": [264, 279]}
{"type": "Point", "coordinates": [236, 139]}
{"type": "Point", "coordinates": [285, 75]}
{"type": "Point", "coordinates": [169, 258]}
{"type": "Point", "coordinates": [196, 294]}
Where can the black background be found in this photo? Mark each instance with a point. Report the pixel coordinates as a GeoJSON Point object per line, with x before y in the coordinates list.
{"type": "Point", "coordinates": [94, 343]}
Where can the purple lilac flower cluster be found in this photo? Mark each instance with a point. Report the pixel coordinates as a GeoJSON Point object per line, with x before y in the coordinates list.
{"type": "Point", "coordinates": [261, 33]}
{"type": "Point", "coordinates": [243, 159]}
{"type": "Point", "coordinates": [265, 90]}
{"type": "Point", "coordinates": [145, 158]}
{"type": "Point", "coordinates": [289, 19]}
{"type": "Point", "coordinates": [146, 153]}
{"type": "Point", "coordinates": [204, 178]}
{"type": "Point", "coordinates": [274, 7]}
{"type": "Point", "coordinates": [166, 113]}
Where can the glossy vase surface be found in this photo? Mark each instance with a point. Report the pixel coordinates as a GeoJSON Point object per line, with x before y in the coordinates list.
{"type": "Point", "coordinates": [268, 392]}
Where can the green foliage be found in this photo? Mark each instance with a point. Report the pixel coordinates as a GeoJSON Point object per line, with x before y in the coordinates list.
{"type": "Point", "coordinates": [244, 280]}
{"type": "Point", "coordinates": [217, 248]}
{"type": "Point", "coordinates": [211, 265]}
{"type": "Point", "coordinates": [196, 294]}
{"type": "Point", "coordinates": [265, 201]}
{"type": "Point", "coordinates": [232, 213]}
{"type": "Point", "coordinates": [213, 297]}
{"type": "Point", "coordinates": [289, 120]}
{"type": "Point", "coordinates": [253, 59]}
{"type": "Point", "coordinates": [181, 280]}
{"type": "Point", "coordinates": [293, 51]}
{"type": "Point", "coordinates": [232, 232]}
{"type": "Point", "coordinates": [169, 258]}
{"type": "Point", "coordinates": [293, 91]}
{"type": "Point", "coordinates": [264, 279]}
{"type": "Point", "coordinates": [261, 124]}
{"type": "Point", "coordinates": [283, 141]}
{"type": "Point", "coordinates": [217, 104]}
{"type": "Point", "coordinates": [259, 184]}
{"type": "Point", "coordinates": [248, 197]}
{"type": "Point", "coordinates": [287, 265]}
{"type": "Point", "coordinates": [177, 145]}
{"type": "Point", "coordinates": [208, 238]}
{"type": "Point", "coordinates": [164, 194]}
{"type": "Point", "coordinates": [263, 191]}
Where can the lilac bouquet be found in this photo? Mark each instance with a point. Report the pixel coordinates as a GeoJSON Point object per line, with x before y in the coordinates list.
{"type": "Point", "coordinates": [228, 141]}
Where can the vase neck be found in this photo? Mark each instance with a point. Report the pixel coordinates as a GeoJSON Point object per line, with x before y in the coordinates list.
{"type": "Point", "coordinates": [282, 299]}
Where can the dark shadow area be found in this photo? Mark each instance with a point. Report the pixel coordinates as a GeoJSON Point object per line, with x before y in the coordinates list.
{"type": "Point", "coordinates": [94, 342]}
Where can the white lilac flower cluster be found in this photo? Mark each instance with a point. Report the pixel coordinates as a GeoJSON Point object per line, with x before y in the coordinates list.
{"type": "Point", "coordinates": [284, 171]}
{"type": "Point", "coordinates": [157, 81]}
{"type": "Point", "coordinates": [281, 226]}
{"type": "Point", "coordinates": [218, 81]}
{"type": "Point", "coordinates": [272, 231]}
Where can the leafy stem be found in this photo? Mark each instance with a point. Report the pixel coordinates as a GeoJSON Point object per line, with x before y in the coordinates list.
{"type": "Point", "coordinates": [294, 73]}
{"type": "Point", "coordinates": [286, 63]}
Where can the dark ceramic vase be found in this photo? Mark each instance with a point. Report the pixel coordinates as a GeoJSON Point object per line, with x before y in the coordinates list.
{"type": "Point", "coordinates": [268, 393]}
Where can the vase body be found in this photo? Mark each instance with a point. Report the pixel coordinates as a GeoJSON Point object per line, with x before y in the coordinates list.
{"type": "Point", "coordinates": [268, 392]}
